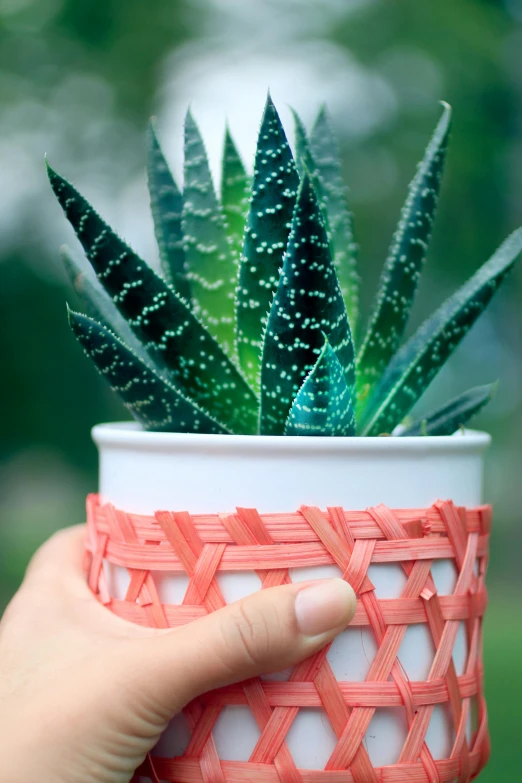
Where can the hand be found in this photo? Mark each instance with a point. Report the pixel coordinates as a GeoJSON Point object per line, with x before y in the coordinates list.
{"type": "Point", "coordinates": [85, 695]}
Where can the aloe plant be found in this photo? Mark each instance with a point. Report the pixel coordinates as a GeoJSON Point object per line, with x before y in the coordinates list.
{"type": "Point", "coordinates": [249, 326]}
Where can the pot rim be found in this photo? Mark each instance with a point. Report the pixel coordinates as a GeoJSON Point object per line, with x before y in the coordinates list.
{"type": "Point", "coordinates": [128, 434]}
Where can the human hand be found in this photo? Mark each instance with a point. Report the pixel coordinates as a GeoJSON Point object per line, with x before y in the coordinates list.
{"type": "Point", "coordinates": [85, 695]}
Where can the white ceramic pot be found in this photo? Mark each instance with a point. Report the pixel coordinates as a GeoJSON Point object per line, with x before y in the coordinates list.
{"type": "Point", "coordinates": [143, 472]}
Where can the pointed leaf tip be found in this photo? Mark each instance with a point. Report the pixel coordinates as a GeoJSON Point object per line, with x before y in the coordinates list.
{"type": "Point", "coordinates": [404, 263]}
{"type": "Point", "coordinates": [307, 302]}
{"type": "Point", "coordinates": [211, 266]}
{"type": "Point", "coordinates": [323, 405]}
{"type": "Point", "coordinates": [456, 413]}
{"type": "Point", "coordinates": [161, 319]}
{"type": "Point", "coordinates": [339, 220]}
{"type": "Point", "coordinates": [99, 305]}
{"type": "Point", "coordinates": [152, 400]}
{"type": "Point", "coordinates": [274, 190]}
{"type": "Point", "coordinates": [235, 195]}
{"type": "Point", "coordinates": [166, 203]}
{"type": "Point", "coordinates": [419, 360]}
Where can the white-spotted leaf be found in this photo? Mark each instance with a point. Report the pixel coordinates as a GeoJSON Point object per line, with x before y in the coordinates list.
{"type": "Point", "coordinates": [403, 266]}
{"type": "Point", "coordinates": [166, 204]}
{"type": "Point", "coordinates": [274, 190]}
{"type": "Point", "coordinates": [211, 267]}
{"type": "Point", "coordinates": [152, 401]}
{"type": "Point", "coordinates": [415, 365]}
{"type": "Point", "coordinates": [323, 405]}
{"type": "Point", "coordinates": [307, 305]}
{"type": "Point", "coordinates": [164, 322]}
{"type": "Point", "coordinates": [306, 165]}
{"type": "Point", "coordinates": [235, 194]}
{"type": "Point", "coordinates": [100, 306]}
{"type": "Point", "coordinates": [454, 414]}
{"type": "Point", "coordinates": [325, 151]}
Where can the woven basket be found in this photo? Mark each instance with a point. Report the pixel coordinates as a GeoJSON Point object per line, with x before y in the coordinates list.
{"type": "Point", "coordinates": [316, 724]}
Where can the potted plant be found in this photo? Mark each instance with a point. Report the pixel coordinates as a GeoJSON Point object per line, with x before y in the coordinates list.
{"type": "Point", "coordinates": [255, 456]}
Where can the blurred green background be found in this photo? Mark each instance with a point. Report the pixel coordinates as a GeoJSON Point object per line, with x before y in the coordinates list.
{"type": "Point", "coordinates": [78, 81]}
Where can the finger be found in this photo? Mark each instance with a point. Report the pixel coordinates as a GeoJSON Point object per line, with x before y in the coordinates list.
{"type": "Point", "coordinates": [265, 632]}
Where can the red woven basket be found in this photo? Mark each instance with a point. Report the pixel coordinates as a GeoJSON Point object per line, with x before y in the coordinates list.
{"type": "Point", "coordinates": [270, 545]}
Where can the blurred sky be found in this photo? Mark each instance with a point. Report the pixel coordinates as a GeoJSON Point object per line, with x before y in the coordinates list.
{"type": "Point", "coordinates": [79, 80]}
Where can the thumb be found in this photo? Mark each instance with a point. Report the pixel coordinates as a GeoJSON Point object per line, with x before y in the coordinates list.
{"type": "Point", "coordinates": [266, 632]}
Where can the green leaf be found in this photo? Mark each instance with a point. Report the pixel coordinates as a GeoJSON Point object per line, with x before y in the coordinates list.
{"type": "Point", "coordinates": [325, 151]}
{"type": "Point", "coordinates": [171, 332]}
{"type": "Point", "coordinates": [454, 414]}
{"type": "Point", "coordinates": [415, 365]}
{"type": "Point", "coordinates": [323, 405]}
{"type": "Point", "coordinates": [166, 204]}
{"type": "Point", "coordinates": [212, 269]}
{"type": "Point", "coordinates": [235, 195]}
{"type": "Point", "coordinates": [404, 263]}
{"type": "Point", "coordinates": [99, 304]}
{"type": "Point", "coordinates": [151, 400]}
{"type": "Point", "coordinates": [306, 165]}
{"type": "Point", "coordinates": [308, 303]}
{"type": "Point", "coordinates": [274, 190]}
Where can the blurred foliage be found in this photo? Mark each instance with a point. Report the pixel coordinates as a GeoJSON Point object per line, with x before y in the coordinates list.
{"type": "Point", "coordinates": [123, 42]}
{"type": "Point", "coordinates": [79, 80]}
{"type": "Point", "coordinates": [51, 395]}
{"type": "Point", "coordinates": [458, 49]}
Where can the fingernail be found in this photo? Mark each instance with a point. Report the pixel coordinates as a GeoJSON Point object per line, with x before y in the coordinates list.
{"type": "Point", "coordinates": [324, 606]}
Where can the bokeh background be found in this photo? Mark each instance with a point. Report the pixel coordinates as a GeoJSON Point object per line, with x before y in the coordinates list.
{"type": "Point", "coordinates": [79, 80]}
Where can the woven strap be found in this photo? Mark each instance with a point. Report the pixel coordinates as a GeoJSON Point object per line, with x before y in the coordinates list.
{"type": "Point", "coordinates": [270, 545]}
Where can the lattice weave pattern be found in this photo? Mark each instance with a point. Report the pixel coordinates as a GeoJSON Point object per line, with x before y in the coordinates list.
{"type": "Point", "coordinates": [203, 546]}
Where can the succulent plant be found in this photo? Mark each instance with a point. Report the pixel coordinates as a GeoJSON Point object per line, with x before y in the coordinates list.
{"type": "Point", "coordinates": [251, 327]}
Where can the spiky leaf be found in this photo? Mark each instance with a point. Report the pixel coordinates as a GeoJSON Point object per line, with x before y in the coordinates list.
{"type": "Point", "coordinates": [171, 332]}
{"type": "Point", "coordinates": [415, 365]}
{"type": "Point", "coordinates": [306, 165]}
{"type": "Point", "coordinates": [323, 405]}
{"type": "Point", "coordinates": [308, 303]}
{"type": "Point", "coordinates": [99, 304]}
{"type": "Point", "coordinates": [150, 399]}
{"type": "Point", "coordinates": [235, 194]}
{"type": "Point", "coordinates": [166, 204]}
{"type": "Point", "coordinates": [211, 268]}
{"type": "Point", "coordinates": [274, 190]}
{"type": "Point", "coordinates": [325, 151]}
{"type": "Point", "coordinates": [303, 154]}
{"type": "Point", "coordinates": [404, 263]}
{"type": "Point", "coordinates": [454, 414]}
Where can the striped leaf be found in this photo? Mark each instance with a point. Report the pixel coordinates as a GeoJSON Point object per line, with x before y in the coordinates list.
{"type": "Point", "coordinates": [212, 270]}
{"type": "Point", "coordinates": [323, 405]}
{"type": "Point", "coordinates": [99, 304]}
{"type": "Point", "coordinates": [454, 414]}
{"type": "Point", "coordinates": [150, 399]}
{"type": "Point", "coordinates": [326, 155]}
{"type": "Point", "coordinates": [308, 303]}
{"type": "Point", "coordinates": [274, 190]}
{"type": "Point", "coordinates": [235, 194]}
{"type": "Point", "coordinates": [166, 204]}
{"type": "Point", "coordinates": [415, 365]}
{"type": "Point", "coordinates": [404, 263]}
{"type": "Point", "coordinates": [160, 318]}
